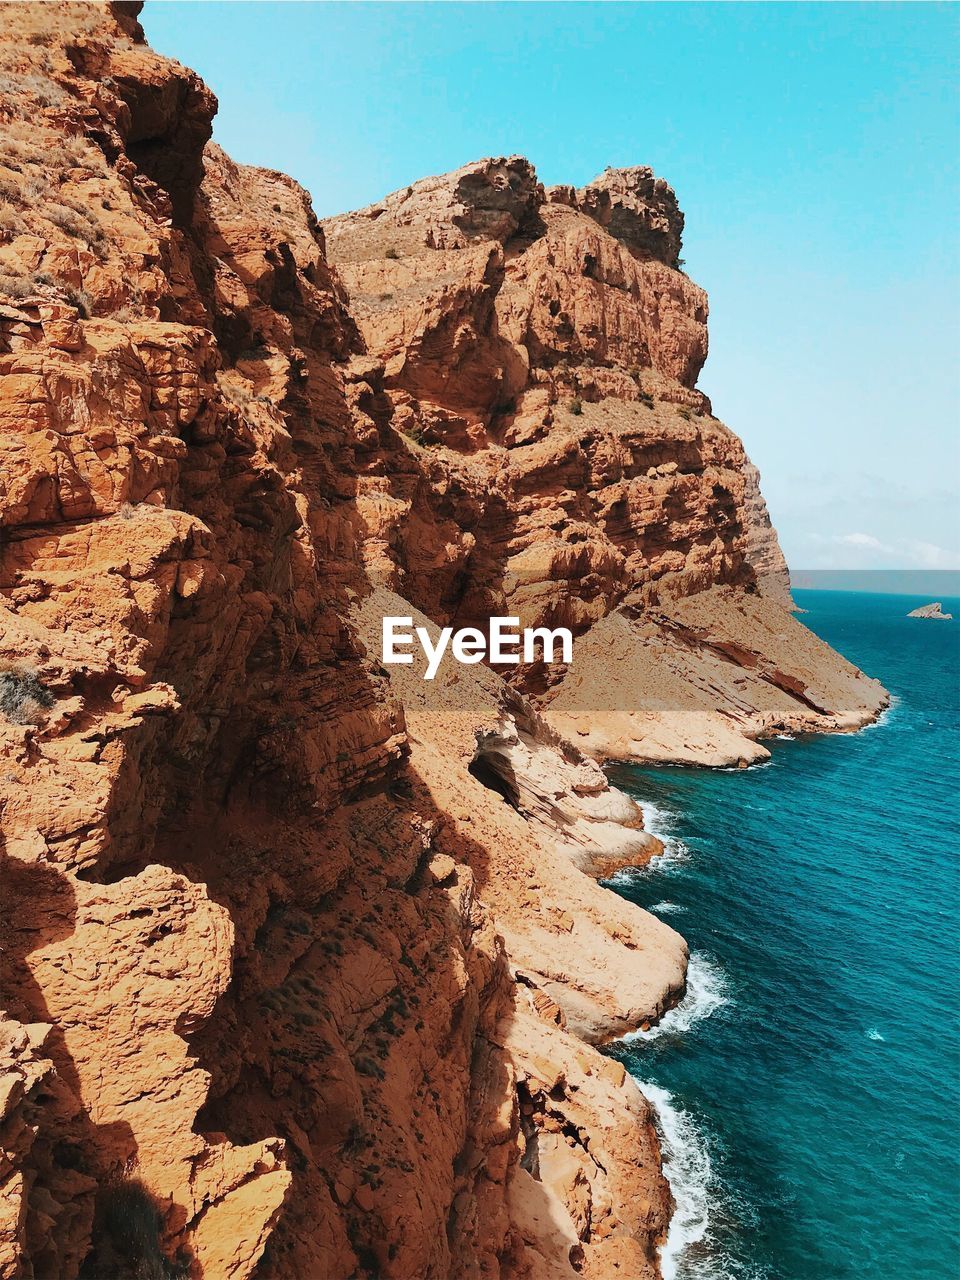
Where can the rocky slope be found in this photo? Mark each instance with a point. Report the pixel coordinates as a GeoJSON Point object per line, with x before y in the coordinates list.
{"type": "Point", "coordinates": [303, 962]}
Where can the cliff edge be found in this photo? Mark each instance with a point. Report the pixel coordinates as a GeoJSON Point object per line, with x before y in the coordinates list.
{"type": "Point", "coordinates": [306, 965]}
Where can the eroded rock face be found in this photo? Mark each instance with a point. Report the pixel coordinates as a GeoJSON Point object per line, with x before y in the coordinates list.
{"type": "Point", "coordinates": [762, 548]}
{"type": "Point", "coordinates": [304, 962]}
{"type": "Point", "coordinates": [492, 199]}
{"type": "Point", "coordinates": [636, 208]}
{"type": "Point", "coordinates": [573, 475]}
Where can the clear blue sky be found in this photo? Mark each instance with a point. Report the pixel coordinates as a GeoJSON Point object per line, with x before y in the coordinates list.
{"type": "Point", "coordinates": [814, 149]}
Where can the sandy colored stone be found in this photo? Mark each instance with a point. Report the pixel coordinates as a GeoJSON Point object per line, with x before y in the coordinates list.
{"type": "Point", "coordinates": [934, 610]}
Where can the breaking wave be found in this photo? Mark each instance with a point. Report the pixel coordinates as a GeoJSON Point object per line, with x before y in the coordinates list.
{"type": "Point", "coordinates": [706, 992]}
{"type": "Point", "coordinates": [689, 1251]}
{"type": "Point", "coordinates": [666, 908]}
{"type": "Point", "coordinates": [687, 1167]}
{"type": "Point", "coordinates": [661, 822]}
{"type": "Point", "coordinates": [885, 716]}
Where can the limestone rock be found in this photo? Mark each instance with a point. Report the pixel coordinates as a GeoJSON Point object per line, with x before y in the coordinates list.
{"type": "Point", "coordinates": [934, 610]}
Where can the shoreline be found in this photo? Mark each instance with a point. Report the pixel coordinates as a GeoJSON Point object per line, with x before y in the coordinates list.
{"type": "Point", "coordinates": [783, 732]}
{"type": "Point", "coordinates": [684, 1154]}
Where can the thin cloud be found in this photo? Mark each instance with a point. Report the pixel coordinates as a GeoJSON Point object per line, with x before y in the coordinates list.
{"type": "Point", "coordinates": [860, 550]}
{"type": "Point", "coordinates": [862, 540]}
{"type": "Point", "coordinates": [930, 556]}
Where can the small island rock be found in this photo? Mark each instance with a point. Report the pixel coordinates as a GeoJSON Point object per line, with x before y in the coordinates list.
{"type": "Point", "coordinates": [934, 610]}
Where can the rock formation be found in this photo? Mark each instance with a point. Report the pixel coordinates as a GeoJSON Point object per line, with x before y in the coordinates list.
{"type": "Point", "coordinates": [934, 610]}
{"type": "Point", "coordinates": [571, 474]}
{"type": "Point", "coordinates": [305, 964]}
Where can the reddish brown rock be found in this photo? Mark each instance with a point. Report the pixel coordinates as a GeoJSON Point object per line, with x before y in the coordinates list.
{"type": "Point", "coordinates": [636, 208]}
{"type": "Point", "coordinates": [762, 548]}
{"type": "Point", "coordinates": [305, 960]}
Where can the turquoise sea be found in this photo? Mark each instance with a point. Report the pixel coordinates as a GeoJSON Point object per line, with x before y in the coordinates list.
{"type": "Point", "coordinates": [808, 1088]}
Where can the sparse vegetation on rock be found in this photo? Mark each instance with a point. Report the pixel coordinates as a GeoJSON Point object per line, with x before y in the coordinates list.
{"type": "Point", "coordinates": [24, 699]}
{"type": "Point", "coordinates": [132, 1224]}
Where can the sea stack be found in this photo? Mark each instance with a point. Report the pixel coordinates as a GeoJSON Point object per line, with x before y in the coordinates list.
{"type": "Point", "coordinates": [934, 610]}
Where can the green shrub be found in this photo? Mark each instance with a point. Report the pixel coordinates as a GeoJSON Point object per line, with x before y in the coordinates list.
{"type": "Point", "coordinates": [43, 90]}
{"type": "Point", "coordinates": [414, 433]}
{"type": "Point", "coordinates": [392, 255]}
{"type": "Point", "coordinates": [66, 219]}
{"type": "Point", "coordinates": [25, 286]}
{"type": "Point", "coordinates": [129, 1230]}
{"type": "Point", "coordinates": [576, 406]}
{"type": "Point", "coordinates": [77, 221]}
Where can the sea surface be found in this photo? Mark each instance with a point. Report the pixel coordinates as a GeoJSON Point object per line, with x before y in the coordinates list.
{"type": "Point", "coordinates": [808, 1088]}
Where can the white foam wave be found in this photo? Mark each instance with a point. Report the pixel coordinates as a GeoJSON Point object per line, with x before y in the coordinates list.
{"type": "Point", "coordinates": [691, 1250]}
{"type": "Point", "coordinates": [658, 820]}
{"type": "Point", "coordinates": [706, 993]}
{"type": "Point", "coordinates": [874, 1034]}
{"type": "Point", "coordinates": [747, 768]}
{"type": "Point", "coordinates": [687, 1167]}
{"type": "Point", "coordinates": [661, 822]}
{"type": "Point", "coordinates": [667, 908]}
{"type": "Point", "coordinates": [884, 717]}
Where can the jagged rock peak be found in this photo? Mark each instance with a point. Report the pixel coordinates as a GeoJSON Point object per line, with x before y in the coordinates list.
{"type": "Point", "coordinates": [500, 197]}
{"type": "Point", "coordinates": [634, 206]}
{"type": "Point", "coordinates": [489, 199]}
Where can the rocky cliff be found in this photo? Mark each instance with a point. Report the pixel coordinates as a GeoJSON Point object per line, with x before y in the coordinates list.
{"type": "Point", "coordinates": [304, 963]}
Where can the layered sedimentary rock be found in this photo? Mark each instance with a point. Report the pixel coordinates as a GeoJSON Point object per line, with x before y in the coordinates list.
{"type": "Point", "coordinates": [305, 963]}
{"type": "Point", "coordinates": [545, 373]}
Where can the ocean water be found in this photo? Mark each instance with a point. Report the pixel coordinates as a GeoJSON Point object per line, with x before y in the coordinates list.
{"type": "Point", "coordinates": [808, 1087]}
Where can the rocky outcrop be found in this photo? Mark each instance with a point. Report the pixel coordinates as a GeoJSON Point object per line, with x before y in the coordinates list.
{"type": "Point", "coordinates": [699, 679]}
{"type": "Point", "coordinates": [762, 548]}
{"type": "Point", "coordinates": [573, 475]}
{"type": "Point", "coordinates": [934, 610]}
{"type": "Point", "coordinates": [635, 207]}
{"type": "Point", "coordinates": [491, 200]}
{"type": "Point", "coordinates": [306, 964]}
